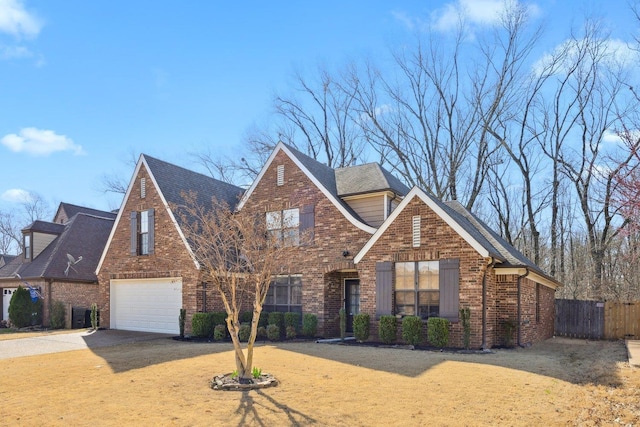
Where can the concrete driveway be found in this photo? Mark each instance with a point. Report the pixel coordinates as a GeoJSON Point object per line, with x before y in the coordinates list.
{"type": "Point", "coordinates": [72, 341]}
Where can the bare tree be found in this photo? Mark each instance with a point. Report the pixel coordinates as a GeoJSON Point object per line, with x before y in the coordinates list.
{"type": "Point", "coordinates": [238, 257]}
{"type": "Point", "coordinates": [33, 208]}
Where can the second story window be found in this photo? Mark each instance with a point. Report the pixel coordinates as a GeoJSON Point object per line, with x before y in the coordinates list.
{"type": "Point", "coordinates": [27, 246]}
{"type": "Point", "coordinates": [284, 225]}
{"type": "Point", "coordinates": [142, 232]}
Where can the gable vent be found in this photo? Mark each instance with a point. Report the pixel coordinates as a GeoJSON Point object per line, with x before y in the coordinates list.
{"type": "Point", "coordinates": [416, 231]}
{"type": "Point", "coordinates": [143, 188]}
{"type": "Point", "coordinates": [280, 175]}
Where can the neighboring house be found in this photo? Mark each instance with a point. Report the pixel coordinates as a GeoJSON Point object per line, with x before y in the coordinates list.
{"type": "Point", "coordinates": [147, 271]}
{"type": "Point", "coordinates": [58, 259]}
{"type": "Point", "coordinates": [371, 245]}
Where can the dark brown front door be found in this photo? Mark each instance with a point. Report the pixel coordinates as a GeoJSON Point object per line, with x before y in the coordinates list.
{"type": "Point", "coordinates": [351, 300]}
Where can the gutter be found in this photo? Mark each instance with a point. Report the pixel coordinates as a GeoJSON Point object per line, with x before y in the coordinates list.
{"type": "Point", "coordinates": [490, 264]}
{"type": "Point", "coordinates": [519, 320]}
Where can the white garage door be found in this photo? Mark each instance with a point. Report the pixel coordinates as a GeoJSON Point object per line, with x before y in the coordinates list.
{"type": "Point", "coordinates": [149, 305]}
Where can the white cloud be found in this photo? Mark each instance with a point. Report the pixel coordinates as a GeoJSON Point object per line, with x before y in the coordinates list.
{"type": "Point", "coordinates": [11, 52]}
{"type": "Point", "coordinates": [39, 142]}
{"type": "Point", "coordinates": [17, 21]}
{"type": "Point", "coordinates": [476, 13]}
{"type": "Point", "coordinates": [611, 137]}
{"type": "Point", "coordinates": [16, 195]}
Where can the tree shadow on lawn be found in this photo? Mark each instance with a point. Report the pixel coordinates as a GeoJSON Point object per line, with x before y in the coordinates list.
{"type": "Point", "coordinates": [128, 351]}
{"type": "Point", "coordinates": [248, 410]}
{"type": "Point", "coordinates": [573, 360]}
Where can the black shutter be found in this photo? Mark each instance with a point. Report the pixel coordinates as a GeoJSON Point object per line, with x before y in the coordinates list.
{"type": "Point", "coordinates": [449, 288]}
{"type": "Point", "coordinates": [133, 221]}
{"type": "Point", "coordinates": [307, 224]}
{"type": "Point", "coordinates": [384, 288]}
{"type": "Point", "coordinates": [152, 219]}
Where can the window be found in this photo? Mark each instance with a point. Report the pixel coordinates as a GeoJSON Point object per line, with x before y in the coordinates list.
{"type": "Point", "coordinates": [284, 294]}
{"type": "Point", "coordinates": [27, 246]}
{"type": "Point", "coordinates": [285, 226]}
{"type": "Point", "coordinates": [417, 289]}
{"type": "Point", "coordinates": [142, 232]}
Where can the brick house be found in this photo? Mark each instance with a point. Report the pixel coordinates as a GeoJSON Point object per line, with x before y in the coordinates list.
{"type": "Point", "coordinates": [58, 259]}
{"type": "Point", "coordinates": [376, 247]}
{"type": "Point", "coordinates": [147, 271]}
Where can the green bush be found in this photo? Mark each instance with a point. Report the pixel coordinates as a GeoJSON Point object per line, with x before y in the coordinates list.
{"type": "Point", "coordinates": [412, 330]}
{"type": "Point", "coordinates": [202, 325]}
{"type": "Point", "coordinates": [246, 317]}
{"type": "Point", "coordinates": [244, 332]}
{"type": "Point", "coordinates": [218, 318]}
{"type": "Point", "coordinates": [309, 325]}
{"type": "Point", "coordinates": [465, 319]}
{"type": "Point", "coordinates": [273, 332]}
{"type": "Point", "coordinates": [292, 319]}
{"type": "Point", "coordinates": [22, 311]}
{"type": "Point", "coordinates": [58, 315]}
{"type": "Point", "coordinates": [219, 332]}
{"type": "Point", "coordinates": [182, 318]}
{"type": "Point", "coordinates": [264, 319]}
{"type": "Point", "coordinates": [276, 318]}
{"type": "Point", "coordinates": [94, 316]}
{"type": "Point", "coordinates": [361, 326]}
{"type": "Point", "coordinates": [291, 332]}
{"type": "Point", "coordinates": [438, 331]}
{"type": "Point", "coordinates": [262, 332]}
{"type": "Point", "coordinates": [387, 330]}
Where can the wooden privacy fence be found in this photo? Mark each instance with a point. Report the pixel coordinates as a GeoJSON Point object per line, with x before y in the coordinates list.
{"type": "Point", "coordinates": [597, 320]}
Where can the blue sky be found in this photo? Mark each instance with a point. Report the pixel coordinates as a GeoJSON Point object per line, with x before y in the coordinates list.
{"type": "Point", "coordinates": [84, 84]}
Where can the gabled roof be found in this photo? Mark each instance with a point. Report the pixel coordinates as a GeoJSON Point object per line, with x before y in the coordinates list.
{"type": "Point", "coordinates": [71, 210]}
{"type": "Point", "coordinates": [475, 232]}
{"type": "Point", "coordinates": [5, 259]}
{"type": "Point", "coordinates": [171, 182]}
{"type": "Point", "coordinates": [367, 178]}
{"type": "Point", "coordinates": [82, 236]}
{"type": "Point", "coordinates": [320, 174]}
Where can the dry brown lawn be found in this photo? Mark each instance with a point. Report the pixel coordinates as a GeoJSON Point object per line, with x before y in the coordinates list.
{"type": "Point", "coordinates": [166, 382]}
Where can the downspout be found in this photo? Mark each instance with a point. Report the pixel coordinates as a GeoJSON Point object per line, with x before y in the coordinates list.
{"type": "Point", "coordinates": [519, 320]}
{"type": "Point", "coordinates": [490, 264]}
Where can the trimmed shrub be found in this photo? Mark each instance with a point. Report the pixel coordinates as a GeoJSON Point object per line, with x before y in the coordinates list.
{"type": "Point", "coordinates": [276, 318]}
{"type": "Point", "coordinates": [244, 332]}
{"type": "Point", "coordinates": [58, 315]}
{"type": "Point", "coordinates": [387, 330]}
{"type": "Point", "coordinates": [465, 319]}
{"type": "Point", "coordinates": [219, 332]}
{"type": "Point", "coordinates": [361, 326]}
{"type": "Point", "coordinates": [246, 316]}
{"type": "Point", "coordinates": [292, 319]}
{"type": "Point", "coordinates": [202, 325]}
{"type": "Point", "coordinates": [262, 332]}
{"type": "Point", "coordinates": [94, 316]}
{"type": "Point", "coordinates": [438, 331]}
{"type": "Point", "coordinates": [309, 325]}
{"type": "Point", "coordinates": [291, 332]}
{"type": "Point", "coordinates": [218, 318]}
{"type": "Point", "coordinates": [182, 318]}
{"type": "Point", "coordinates": [273, 332]}
{"type": "Point", "coordinates": [412, 330]}
{"type": "Point", "coordinates": [22, 311]}
{"type": "Point", "coordinates": [264, 319]}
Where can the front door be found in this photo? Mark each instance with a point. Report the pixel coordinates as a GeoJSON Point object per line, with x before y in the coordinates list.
{"type": "Point", "coordinates": [351, 300]}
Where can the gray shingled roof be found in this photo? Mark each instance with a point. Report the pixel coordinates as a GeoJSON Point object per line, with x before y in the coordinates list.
{"type": "Point", "coordinates": [175, 180]}
{"type": "Point", "coordinates": [476, 227]}
{"type": "Point", "coordinates": [39, 226]}
{"type": "Point", "coordinates": [70, 210]}
{"type": "Point", "coordinates": [367, 178]}
{"type": "Point", "coordinates": [83, 235]}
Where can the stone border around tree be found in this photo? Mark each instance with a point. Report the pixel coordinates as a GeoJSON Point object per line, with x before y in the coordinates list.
{"type": "Point", "coordinates": [228, 383]}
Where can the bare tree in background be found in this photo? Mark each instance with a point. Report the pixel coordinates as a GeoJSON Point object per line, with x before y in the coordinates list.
{"type": "Point", "coordinates": [33, 208]}
{"type": "Point", "coordinates": [238, 257]}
